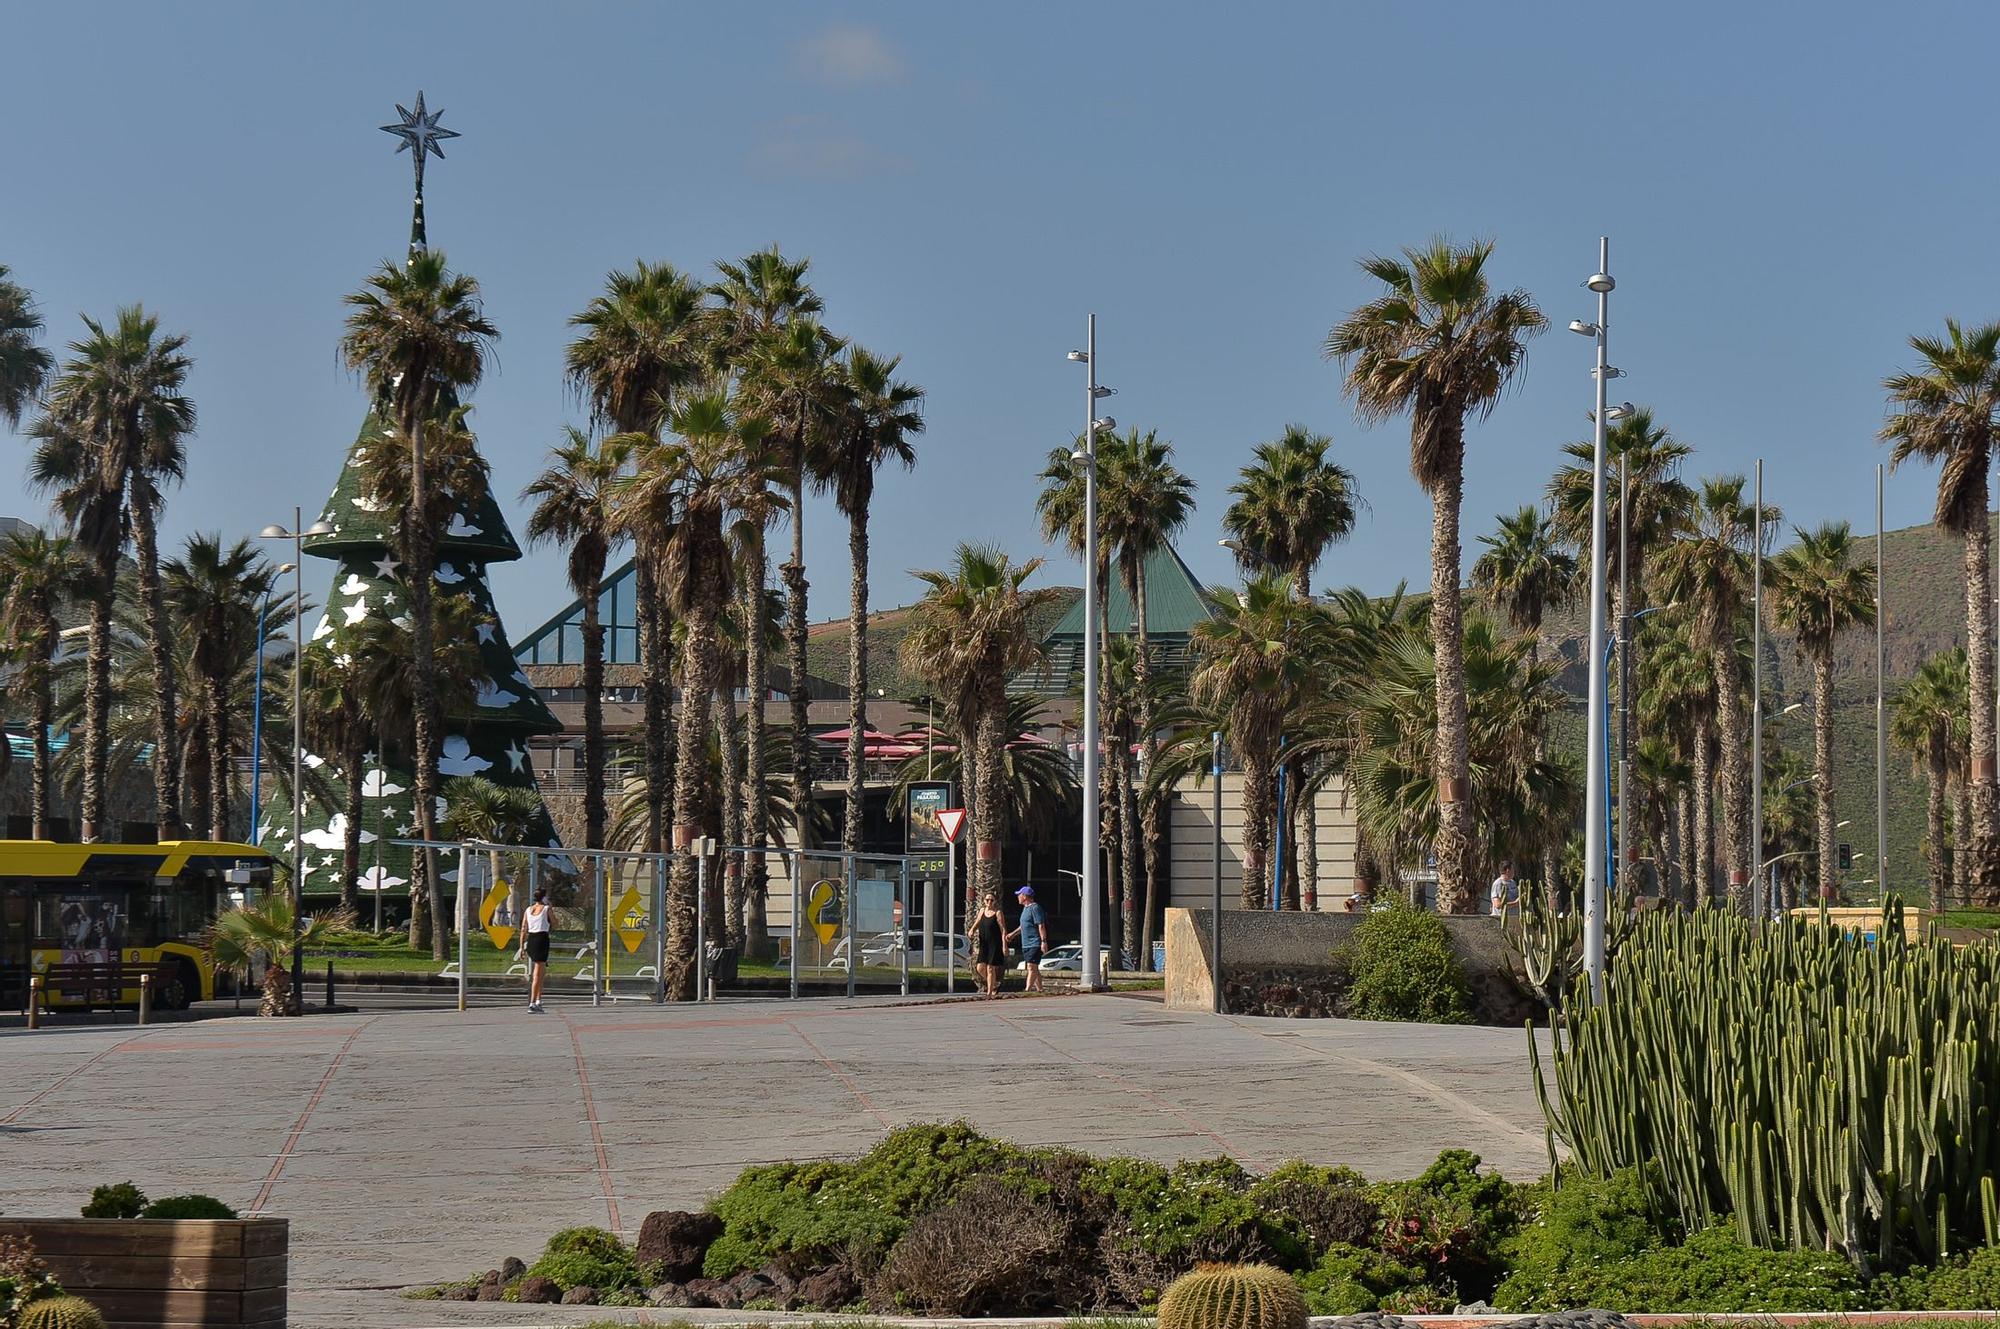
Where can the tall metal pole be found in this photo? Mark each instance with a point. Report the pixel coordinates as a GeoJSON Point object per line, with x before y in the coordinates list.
{"type": "Point", "coordinates": [1756, 855]}
{"type": "Point", "coordinates": [1594, 776]}
{"type": "Point", "coordinates": [1624, 672]}
{"type": "Point", "coordinates": [464, 868]}
{"type": "Point", "coordinates": [1881, 714]}
{"type": "Point", "coordinates": [951, 916]}
{"type": "Point", "coordinates": [298, 749]}
{"type": "Point", "coordinates": [1215, 905]}
{"type": "Point", "coordinates": [848, 915]}
{"type": "Point", "coordinates": [700, 924]}
{"type": "Point", "coordinates": [1090, 979]}
{"type": "Point", "coordinates": [257, 723]}
{"type": "Point", "coordinates": [659, 931]}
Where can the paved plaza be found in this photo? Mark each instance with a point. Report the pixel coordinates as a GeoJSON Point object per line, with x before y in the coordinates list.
{"type": "Point", "coordinates": [415, 1146]}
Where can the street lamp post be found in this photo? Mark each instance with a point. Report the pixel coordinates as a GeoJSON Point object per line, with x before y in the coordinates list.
{"type": "Point", "coordinates": [298, 535]}
{"type": "Point", "coordinates": [257, 711]}
{"type": "Point", "coordinates": [1090, 979]}
{"type": "Point", "coordinates": [1756, 680]}
{"type": "Point", "coordinates": [1594, 901]}
{"type": "Point", "coordinates": [1881, 715]}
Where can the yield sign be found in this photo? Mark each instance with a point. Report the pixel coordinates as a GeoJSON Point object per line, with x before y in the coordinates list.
{"type": "Point", "coordinates": [951, 821]}
{"type": "Point", "coordinates": [496, 914]}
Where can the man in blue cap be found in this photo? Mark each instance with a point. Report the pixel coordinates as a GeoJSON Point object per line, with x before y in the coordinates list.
{"type": "Point", "coordinates": [1034, 935]}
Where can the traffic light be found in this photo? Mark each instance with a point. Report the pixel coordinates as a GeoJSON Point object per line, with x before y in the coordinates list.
{"type": "Point", "coordinates": [1844, 856]}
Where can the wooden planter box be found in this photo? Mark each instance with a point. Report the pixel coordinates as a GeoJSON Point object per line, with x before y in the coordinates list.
{"type": "Point", "coordinates": [160, 1272]}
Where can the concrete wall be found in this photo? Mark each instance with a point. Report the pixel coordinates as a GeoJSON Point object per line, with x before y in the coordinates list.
{"type": "Point", "coordinates": [1256, 941]}
{"type": "Point", "coordinates": [1191, 866]}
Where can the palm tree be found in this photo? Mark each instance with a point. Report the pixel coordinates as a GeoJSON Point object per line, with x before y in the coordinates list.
{"type": "Point", "coordinates": [215, 594]}
{"type": "Point", "coordinates": [1943, 411]}
{"type": "Point", "coordinates": [715, 475]}
{"type": "Point", "coordinates": [966, 636]}
{"type": "Point", "coordinates": [1927, 723]}
{"type": "Point", "coordinates": [112, 437]}
{"type": "Point", "coordinates": [418, 337]}
{"type": "Point", "coordinates": [1038, 779]}
{"type": "Point", "coordinates": [265, 931]}
{"type": "Point", "coordinates": [1677, 699]}
{"type": "Point", "coordinates": [1290, 506]}
{"type": "Point", "coordinates": [39, 575]}
{"type": "Point", "coordinates": [1525, 572]}
{"type": "Point", "coordinates": [1143, 502]}
{"type": "Point", "coordinates": [879, 415]}
{"type": "Point", "coordinates": [1819, 591]}
{"type": "Point", "coordinates": [573, 507]}
{"type": "Point", "coordinates": [1440, 344]}
{"type": "Point", "coordinates": [642, 343]}
{"type": "Point", "coordinates": [1255, 659]}
{"type": "Point", "coordinates": [1709, 572]}
{"type": "Point", "coordinates": [24, 366]}
{"type": "Point", "coordinates": [478, 809]}
{"type": "Point", "coordinates": [340, 721]}
{"type": "Point", "coordinates": [770, 333]}
{"type": "Point", "coordinates": [1660, 503]}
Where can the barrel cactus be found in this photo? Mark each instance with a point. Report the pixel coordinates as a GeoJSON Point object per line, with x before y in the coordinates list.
{"type": "Point", "coordinates": [59, 1313]}
{"type": "Point", "coordinates": [1233, 1296]}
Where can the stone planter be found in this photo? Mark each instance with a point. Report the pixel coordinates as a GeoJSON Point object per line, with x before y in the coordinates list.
{"type": "Point", "coordinates": [167, 1273]}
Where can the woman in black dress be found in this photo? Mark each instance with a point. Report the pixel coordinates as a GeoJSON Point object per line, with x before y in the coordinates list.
{"type": "Point", "coordinates": [989, 944]}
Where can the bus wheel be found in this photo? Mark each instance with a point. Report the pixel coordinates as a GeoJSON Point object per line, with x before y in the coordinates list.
{"type": "Point", "coordinates": [178, 992]}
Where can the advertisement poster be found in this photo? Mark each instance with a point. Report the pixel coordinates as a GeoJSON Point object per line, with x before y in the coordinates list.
{"type": "Point", "coordinates": [926, 800]}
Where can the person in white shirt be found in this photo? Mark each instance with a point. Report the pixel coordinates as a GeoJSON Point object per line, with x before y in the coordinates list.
{"type": "Point", "coordinates": [1506, 892]}
{"type": "Point", "coordinates": [536, 921]}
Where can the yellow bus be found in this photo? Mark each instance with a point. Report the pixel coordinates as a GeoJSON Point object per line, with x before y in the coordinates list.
{"type": "Point", "coordinates": [118, 904]}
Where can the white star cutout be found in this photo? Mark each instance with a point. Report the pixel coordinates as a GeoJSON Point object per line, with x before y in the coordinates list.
{"type": "Point", "coordinates": [386, 566]}
{"type": "Point", "coordinates": [485, 632]}
{"type": "Point", "coordinates": [515, 756]}
{"type": "Point", "coordinates": [356, 611]}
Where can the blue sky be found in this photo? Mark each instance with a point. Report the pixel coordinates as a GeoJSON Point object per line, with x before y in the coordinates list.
{"type": "Point", "coordinates": [1790, 191]}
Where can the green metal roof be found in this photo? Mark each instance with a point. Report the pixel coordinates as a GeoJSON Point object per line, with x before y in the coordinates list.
{"type": "Point", "coordinates": [1175, 602]}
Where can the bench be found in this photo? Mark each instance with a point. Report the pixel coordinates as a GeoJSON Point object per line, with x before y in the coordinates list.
{"type": "Point", "coordinates": [105, 983]}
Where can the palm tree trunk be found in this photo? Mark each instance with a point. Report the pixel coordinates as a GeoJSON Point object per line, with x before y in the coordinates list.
{"type": "Point", "coordinates": [1734, 781]}
{"type": "Point", "coordinates": [1307, 840]}
{"type": "Point", "coordinates": [990, 808]}
{"type": "Point", "coordinates": [1454, 839]}
{"type": "Point", "coordinates": [1961, 834]}
{"type": "Point", "coordinates": [166, 730]}
{"type": "Point", "coordinates": [45, 716]}
{"type": "Point", "coordinates": [594, 813]}
{"type": "Point", "coordinates": [426, 928]}
{"type": "Point", "coordinates": [1984, 869]}
{"type": "Point", "coordinates": [198, 774]}
{"type": "Point", "coordinates": [218, 758]}
{"type": "Point", "coordinates": [1701, 883]}
{"type": "Point", "coordinates": [794, 574]}
{"type": "Point", "coordinates": [1256, 829]}
{"type": "Point", "coordinates": [352, 760]}
{"type": "Point", "coordinates": [1934, 820]}
{"type": "Point", "coordinates": [1128, 904]}
{"type": "Point", "coordinates": [1114, 856]}
{"type": "Point", "coordinates": [857, 670]}
{"type": "Point", "coordinates": [655, 660]}
{"type": "Point", "coordinates": [756, 809]}
{"type": "Point", "coordinates": [698, 674]}
{"type": "Point", "coordinates": [97, 697]}
{"type": "Point", "coordinates": [730, 869]}
{"type": "Point", "coordinates": [1822, 685]}
{"type": "Point", "coordinates": [1152, 815]}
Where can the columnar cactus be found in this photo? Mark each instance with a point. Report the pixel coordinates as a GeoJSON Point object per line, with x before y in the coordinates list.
{"type": "Point", "coordinates": [1239, 1296]}
{"type": "Point", "coordinates": [1821, 1088]}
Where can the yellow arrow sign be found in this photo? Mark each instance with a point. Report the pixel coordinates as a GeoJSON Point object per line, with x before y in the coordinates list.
{"type": "Point", "coordinates": [496, 914]}
{"type": "Point", "coordinates": [818, 900]}
{"type": "Point", "coordinates": [629, 919]}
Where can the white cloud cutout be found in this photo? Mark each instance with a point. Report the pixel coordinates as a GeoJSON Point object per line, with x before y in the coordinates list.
{"type": "Point", "coordinates": [847, 56]}
{"type": "Point", "coordinates": [812, 147]}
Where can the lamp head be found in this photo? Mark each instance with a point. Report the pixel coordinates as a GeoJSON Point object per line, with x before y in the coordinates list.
{"type": "Point", "coordinates": [1103, 391]}
{"type": "Point", "coordinates": [273, 532]}
{"type": "Point", "coordinates": [321, 527]}
{"type": "Point", "coordinates": [1622, 411]}
{"type": "Point", "coordinates": [1079, 456]}
{"type": "Point", "coordinates": [1105, 425]}
{"type": "Point", "coordinates": [283, 568]}
{"type": "Point", "coordinates": [1080, 357]}
{"type": "Point", "coordinates": [1582, 329]}
{"type": "Point", "coordinates": [1601, 282]}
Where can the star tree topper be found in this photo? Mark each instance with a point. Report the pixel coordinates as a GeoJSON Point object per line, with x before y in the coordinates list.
{"type": "Point", "coordinates": [420, 134]}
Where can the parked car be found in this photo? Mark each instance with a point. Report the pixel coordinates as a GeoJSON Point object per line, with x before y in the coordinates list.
{"type": "Point", "coordinates": [1068, 959]}
{"type": "Point", "coordinates": [884, 949]}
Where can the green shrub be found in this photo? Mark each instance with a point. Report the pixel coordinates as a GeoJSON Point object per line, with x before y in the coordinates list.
{"type": "Point", "coordinates": [24, 1278]}
{"type": "Point", "coordinates": [1714, 1271]}
{"type": "Point", "coordinates": [1196, 1211]}
{"type": "Point", "coordinates": [1496, 1202]}
{"type": "Point", "coordinates": [187, 1206]}
{"type": "Point", "coordinates": [1580, 1222]}
{"type": "Point", "coordinates": [1400, 966]}
{"type": "Point", "coordinates": [123, 1200]}
{"type": "Point", "coordinates": [1971, 1283]}
{"type": "Point", "coordinates": [1351, 1279]}
{"type": "Point", "coordinates": [586, 1257]}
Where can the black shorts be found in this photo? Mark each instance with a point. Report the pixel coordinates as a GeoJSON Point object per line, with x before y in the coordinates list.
{"type": "Point", "coordinates": [1032, 958]}
{"type": "Point", "coordinates": [537, 946]}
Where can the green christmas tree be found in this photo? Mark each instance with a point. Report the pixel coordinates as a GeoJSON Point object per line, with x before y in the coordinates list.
{"type": "Point", "coordinates": [490, 738]}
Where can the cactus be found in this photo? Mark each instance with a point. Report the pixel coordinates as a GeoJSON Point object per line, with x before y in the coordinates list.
{"type": "Point", "coordinates": [1549, 944]}
{"type": "Point", "coordinates": [59, 1313]}
{"type": "Point", "coordinates": [1820, 1091]}
{"type": "Point", "coordinates": [1233, 1296]}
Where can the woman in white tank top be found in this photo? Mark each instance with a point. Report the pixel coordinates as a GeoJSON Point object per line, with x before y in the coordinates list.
{"type": "Point", "coordinates": [536, 920]}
